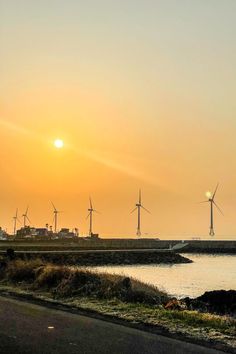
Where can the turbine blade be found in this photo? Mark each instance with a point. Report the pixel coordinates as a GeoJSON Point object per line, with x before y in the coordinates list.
{"type": "Point", "coordinates": [133, 210]}
{"type": "Point", "coordinates": [140, 197]}
{"type": "Point", "coordinates": [88, 216]}
{"type": "Point", "coordinates": [218, 208]}
{"type": "Point", "coordinates": [90, 202]}
{"type": "Point", "coordinates": [28, 219]}
{"type": "Point", "coordinates": [54, 207]}
{"type": "Point", "coordinates": [204, 201]}
{"type": "Point", "coordinates": [95, 211]}
{"type": "Point", "coordinates": [145, 209]}
{"type": "Point", "coordinates": [215, 191]}
{"type": "Point", "coordinates": [26, 213]}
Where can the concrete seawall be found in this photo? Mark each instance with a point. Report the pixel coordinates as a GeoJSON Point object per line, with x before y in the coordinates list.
{"type": "Point", "coordinates": [195, 246]}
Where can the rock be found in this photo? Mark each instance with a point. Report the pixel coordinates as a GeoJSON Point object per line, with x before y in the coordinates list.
{"type": "Point", "coordinates": [175, 304]}
{"type": "Point", "coordinates": [10, 253]}
{"type": "Point", "coordinates": [217, 301]}
{"type": "Point", "coordinates": [220, 301]}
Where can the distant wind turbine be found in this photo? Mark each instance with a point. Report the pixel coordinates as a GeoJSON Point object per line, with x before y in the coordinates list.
{"type": "Point", "coordinates": [91, 210]}
{"type": "Point", "coordinates": [55, 217]}
{"type": "Point", "coordinates": [138, 207]}
{"type": "Point", "coordinates": [16, 219]}
{"type": "Point", "coordinates": [25, 217]}
{"type": "Point", "coordinates": [211, 200]}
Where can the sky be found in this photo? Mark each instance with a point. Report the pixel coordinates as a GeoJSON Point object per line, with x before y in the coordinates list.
{"type": "Point", "coordinates": [143, 94]}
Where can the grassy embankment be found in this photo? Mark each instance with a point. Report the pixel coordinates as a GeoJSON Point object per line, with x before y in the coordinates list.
{"type": "Point", "coordinates": [115, 296]}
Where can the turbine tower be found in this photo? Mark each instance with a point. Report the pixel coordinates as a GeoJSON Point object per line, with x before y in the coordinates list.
{"type": "Point", "coordinates": [16, 219]}
{"type": "Point", "coordinates": [91, 210]}
{"type": "Point", "coordinates": [25, 217]}
{"type": "Point", "coordinates": [211, 200]}
{"type": "Point", "coordinates": [138, 207]}
{"type": "Point", "coordinates": [55, 217]}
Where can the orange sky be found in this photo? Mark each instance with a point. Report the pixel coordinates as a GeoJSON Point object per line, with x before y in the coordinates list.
{"type": "Point", "coordinates": [144, 97]}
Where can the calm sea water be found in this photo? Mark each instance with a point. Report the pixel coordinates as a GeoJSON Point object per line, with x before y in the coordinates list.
{"type": "Point", "coordinates": [207, 272]}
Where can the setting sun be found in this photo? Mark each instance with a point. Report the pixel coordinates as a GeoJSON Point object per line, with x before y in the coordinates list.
{"type": "Point", "coordinates": [58, 143]}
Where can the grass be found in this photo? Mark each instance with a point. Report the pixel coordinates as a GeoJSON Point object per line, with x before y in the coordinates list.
{"type": "Point", "coordinates": [115, 296]}
{"type": "Point", "coordinates": [64, 281]}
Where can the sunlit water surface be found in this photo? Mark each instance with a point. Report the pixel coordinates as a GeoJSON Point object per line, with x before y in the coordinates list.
{"type": "Point", "coordinates": [207, 272]}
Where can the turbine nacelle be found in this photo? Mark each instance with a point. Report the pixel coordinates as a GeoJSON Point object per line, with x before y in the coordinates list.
{"type": "Point", "coordinates": [25, 217]}
{"type": "Point", "coordinates": [138, 207]}
{"type": "Point", "coordinates": [91, 210]}
{"type": "Point", "coordinates": [55, 218]}
{"type": "Point", "coordinates": [208, 195]}
{"type": "Point", "coordinates": [211, 200]}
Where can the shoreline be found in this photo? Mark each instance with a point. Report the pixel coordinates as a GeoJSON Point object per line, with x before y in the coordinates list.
{"type": "Point", "coordinates": [96, 310]}
{"type": "Point", "coordinates": [106, 258]}
{"type": "Point", "coordinates": [115, 297]}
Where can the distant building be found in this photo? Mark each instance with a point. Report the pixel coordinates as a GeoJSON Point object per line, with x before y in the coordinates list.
{"type": "Point", "coordinates": [3, 235]}
{"type": "Point", "coordinates": [45, 233]}
{"type": "Point", "coordinates": [42, 232]}
{"type": "Point", "coordinates": [66, 234]}
{"type": "Point", "coordinates": [24, 232]}
{"type": "Point", "coordinates": [32, 232]}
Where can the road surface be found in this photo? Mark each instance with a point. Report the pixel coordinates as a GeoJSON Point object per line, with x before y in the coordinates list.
{"type": "Point", "coordinates": [29, 328]}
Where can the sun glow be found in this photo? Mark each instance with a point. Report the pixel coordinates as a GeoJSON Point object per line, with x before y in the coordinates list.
{"type": "Point", "coordinates": [208, 194]}
{"type": "Point", "coordinates": [59, 144]}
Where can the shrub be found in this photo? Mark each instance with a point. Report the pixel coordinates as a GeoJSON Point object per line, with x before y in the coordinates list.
{"type": "Point", "coordinates": [20, 270]}
{"type": "Point", "coordinates": [63, 281]}
{"type": "Point", "coordinates": [50, 276]}
{"type": "Point", "coordinates": [79, 282]}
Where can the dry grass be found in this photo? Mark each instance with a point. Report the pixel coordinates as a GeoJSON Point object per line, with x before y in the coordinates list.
{"type": "Point", "coordinates": [113, 295]}
{"type": "Point", "coordinates": [19, 270]}
{"type": "Point", "coordinates": [64, 282]}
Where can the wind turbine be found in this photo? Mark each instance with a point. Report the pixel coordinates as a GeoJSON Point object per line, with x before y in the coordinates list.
{"type": "Point", "coordinates": [211, 200]}
{"type": "Point", "coordinates": [25, 217]}
{"type": "Point", "coordinates": [55, 217]}
{"type": "Point", "coordinates": [16, 219]}
{"type": "Point", "coordinates": [91, 210]}
{"type": "Point", "coordinates": [138, 207]}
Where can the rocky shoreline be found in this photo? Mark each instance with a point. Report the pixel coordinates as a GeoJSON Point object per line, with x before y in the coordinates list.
{"type": "Point", "coordinates": [221, 302]}
{"type": "Point", "coordinates": [123, 298]}
{"type": "Point", "coordinates": [91, 258]}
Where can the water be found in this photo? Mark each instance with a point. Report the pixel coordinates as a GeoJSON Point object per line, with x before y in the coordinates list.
{"type": "Point", "coordinates": [207, 272]}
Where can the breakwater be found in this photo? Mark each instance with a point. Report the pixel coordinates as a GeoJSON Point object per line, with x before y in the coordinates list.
{"type": "Point", "coordinates": [95, 258]}
{"type": "Point", "coordinates": [193, 246]}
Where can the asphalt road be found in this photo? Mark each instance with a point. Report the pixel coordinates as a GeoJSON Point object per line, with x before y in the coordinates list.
{"type": "Point", "coordinates": [29, 328]}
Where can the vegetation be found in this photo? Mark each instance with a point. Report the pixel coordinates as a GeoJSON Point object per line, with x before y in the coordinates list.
{"type": "Point", "coordinates": [115, 296]}
{"type": "Point", "coordinates": [64, 281]}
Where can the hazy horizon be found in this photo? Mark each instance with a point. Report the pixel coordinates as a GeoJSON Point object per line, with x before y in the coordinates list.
{"type": "Point", "coordinates": [142, 94]}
